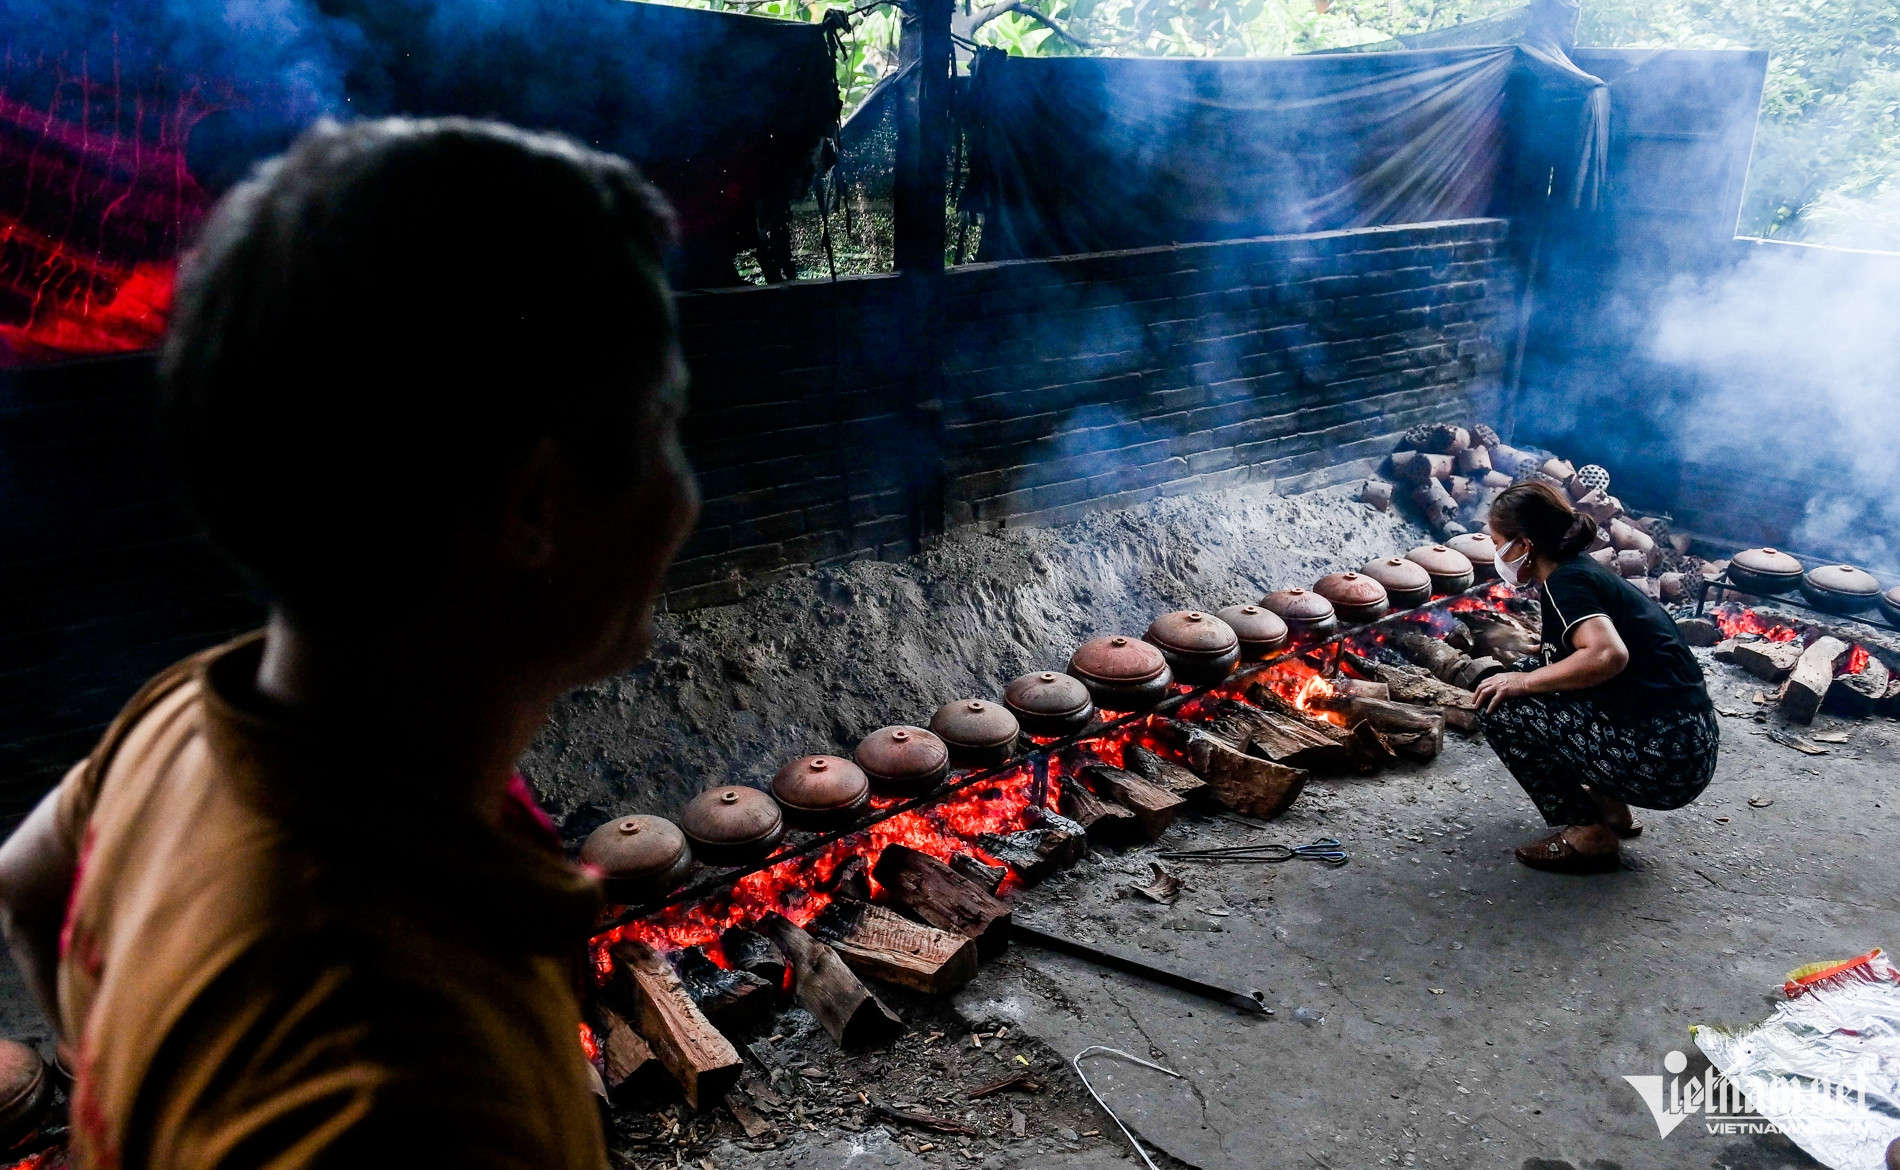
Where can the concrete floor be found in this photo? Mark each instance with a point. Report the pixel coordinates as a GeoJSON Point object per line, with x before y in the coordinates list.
{"type": "Point", "coordinates": [1468, 1011]}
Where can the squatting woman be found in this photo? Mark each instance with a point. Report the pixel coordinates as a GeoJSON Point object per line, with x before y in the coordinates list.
{"type": "Point", "coordinates": [1613, 713]}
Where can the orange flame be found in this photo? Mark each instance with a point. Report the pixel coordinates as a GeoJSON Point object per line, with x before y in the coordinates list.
{"type": "Point", "coordinates": [1856, 660]}
{"type": "Point", "coordinates": [589, 1045]}
{"type": "Point", "coordinates": [1733, 620]}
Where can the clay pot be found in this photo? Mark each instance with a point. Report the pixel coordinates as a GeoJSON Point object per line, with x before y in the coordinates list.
{"type": "Point", "coordinates": [1764, 572]}
{"type": "Point", "coordinates": [1407, 584]}
{"type": "Point", "coordinates": [1260, 630]}
{"type": "Point", "coordinates": [1840, 588]}
{"type": "Point", "coordinates": [1049, 703]}
{"type": "Point", "coordinates": [1122, 673]}
{"type": "Point", "coordinates": [1450, 570]}
{"type": "Point", "coordinates": [1303, 611]}
{"type": "Point", "coordinates": [1356, 597]}
{"type": "Point", "coordinates": [26, 1090]}
{"type": "Point", "coordinates": [1199, 647]}
{"type": "Point", "coordinates": [1890, 605]}
{"type": "Point", "coordinates": [639, 857]}
{"type": "Point", "coordinates": [978, 733]}
{"type": "Point", "coordinates": [820, 792]}
{"type": "Point", "coordinates": [1478, 548]}
{"type": "Point", "coordinates": [903, 760]}
{"type": "Point", "coordinates": [732, 825]}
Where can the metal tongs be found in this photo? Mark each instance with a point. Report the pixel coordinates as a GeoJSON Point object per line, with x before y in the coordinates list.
{"type": "Point", "coordinates": [1326, 850]}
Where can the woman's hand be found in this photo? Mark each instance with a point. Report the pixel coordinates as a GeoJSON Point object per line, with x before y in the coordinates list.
{"type": "Point", "coordinates": [1504, 685]}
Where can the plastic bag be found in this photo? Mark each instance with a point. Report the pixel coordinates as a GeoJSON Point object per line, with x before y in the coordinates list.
{"type": "Point", "coordinates": [1825, 1067]}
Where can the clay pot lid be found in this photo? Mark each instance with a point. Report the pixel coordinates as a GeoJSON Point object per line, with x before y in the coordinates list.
{"type": "Point", "coordinates": [1047, 692]}
{"type": "Point", "coordinates": [1476, 547]}
{"type": "Point", "coordinates": [1298, 605]}
{"type": "Point", "coordinates": [1844, 579]}
{"type": "Point", "coordinates": [1190, 631]}
{"type": "Point", "coordinates": [1117, 658]}
{"type": "Point", "coordinates": [21, 1074]}
{"type": "Point", "coordinates": [634, 847]}
{"type": "Point", "coordinates": [975, 723]}
{"type": "Point", "coordinates": [1440, 560]}
{"type": "Point", "coordinates": [820, 783]}
{"type": "Point", "coordinates": [1769, 562]}
{"type": "Point", "coordinates": [1354, 589]}
{"type": "Point", "coordinates": [732, 815]}
{"type": "Point", "coordinates": [901, 752]}
{"type": "Point", "coordinates": [1398, 575]}
{"type": "Point", "coordinates": [1254, 623]}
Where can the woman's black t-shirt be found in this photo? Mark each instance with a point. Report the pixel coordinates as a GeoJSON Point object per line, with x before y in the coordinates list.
{"type": "Point", "coordinates": [1662, 674]}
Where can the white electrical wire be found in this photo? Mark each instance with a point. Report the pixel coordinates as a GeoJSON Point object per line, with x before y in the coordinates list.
{"type": "Point", "coordinates": [1107, 1051]}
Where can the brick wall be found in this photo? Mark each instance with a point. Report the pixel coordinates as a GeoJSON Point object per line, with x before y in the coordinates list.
{"type": "Point", "coordinates": [1061, 385]}
{"type": "Point", "coordinates": [1076, 383]}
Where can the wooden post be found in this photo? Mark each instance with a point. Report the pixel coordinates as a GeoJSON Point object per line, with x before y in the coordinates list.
{"type": "Point", "coordinates": [923, 130]}
{"type": "Point", "coordinates": [827, 989]}
{"type": "Point", "coordinates": [885, 945]}
{"type": "Point", "coordinates": [703, 1062]}
{"type": "Point", "coordinates": [944, 898]}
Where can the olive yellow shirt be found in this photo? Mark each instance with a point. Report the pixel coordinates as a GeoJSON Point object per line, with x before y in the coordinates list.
{"type": "Point", "coordinates": [274, 957]}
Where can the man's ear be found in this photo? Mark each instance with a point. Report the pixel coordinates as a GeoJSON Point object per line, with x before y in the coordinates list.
{"type": "Point", "coordinates": [529, 506]}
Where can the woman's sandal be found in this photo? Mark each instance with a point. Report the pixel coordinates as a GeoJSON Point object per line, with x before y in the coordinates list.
{"type": "Point", "coordinates": [1557, 855]}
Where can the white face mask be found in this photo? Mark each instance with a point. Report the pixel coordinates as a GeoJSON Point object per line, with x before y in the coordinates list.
{"type": "Point", "coordinates": [1508, 571]}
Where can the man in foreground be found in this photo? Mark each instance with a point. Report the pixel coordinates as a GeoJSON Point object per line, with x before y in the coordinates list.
{"type": "Point", "coordinates": [297, 909]}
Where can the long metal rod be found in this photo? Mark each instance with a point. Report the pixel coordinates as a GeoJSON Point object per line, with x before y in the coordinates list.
{"type": "Point", "coordinates": [1246, 1001]}
{"type": "Point", "coordinates": [724, 879]}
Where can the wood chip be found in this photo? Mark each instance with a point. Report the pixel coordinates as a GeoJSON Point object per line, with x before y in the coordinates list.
{"type": "Point", "coordinates": [1019, 1080]}
{"type": "Point", "coordinates": [1798, 743]}
{"type": "Point", "coordinates": [1829, 737]}
{"type": "Point", "coordinates": [929, 1121]}
{"type": "Point", "coordinates": [754, 1125]}
{"type": "Point", "coordinates": [1163, 887]}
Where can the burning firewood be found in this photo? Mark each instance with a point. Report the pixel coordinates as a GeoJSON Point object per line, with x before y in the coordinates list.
{"type": "Point", "coordinates": [1448, 664]}
{"type": "Point", "coordinates": [851, 880]}
{"type": "Point", "coordinates": [1108, 822]}
{"type": "Point", "coordinates": [1294, 739]}
{"type": "Point", "coordinates": [1412, 731]}
{"type": "Point", "coordinates": [884, 945]}
{"type": "Point", "coordinates": [701, 1059]}
{"type": "Point", "coordinates": [1413, 684]}
{"type": "Point", "coordinates": [729, 997]}
{"type": "Point", "coordinates": [1768, 661]}
{"type": "Point", "coordinates": [937, 894]}
{"type": "Point", "coordinates": [1856, 695]}
{"type": "Point", "coordinates": [622, 1050]}
{"type": "Point", "coordinates": [1152, 807]}
{"type": "Point", "coordinates": [1242, 782]}
{"type": "Point", "coordinates": [1052, 842]}
{"type": "Point", "coordinates": [1813, 674]}
{"type": "Point", "coordinates": [990, 877]}
{"type": "Point", "coordinates": [826, 988]}
{"type": "Point", "coordinates": [1361, 688]}
{"type": "Point", "coordinates": [750, 951]}
{"type": "Point", "coordinates": [1163, 773]}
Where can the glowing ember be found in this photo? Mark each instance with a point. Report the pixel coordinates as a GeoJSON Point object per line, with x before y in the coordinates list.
{"type": "Point", "coordinates": [1734, 620]}
{"type": "Point", "coordinates": [1856, 660]}
{"type": "Point", "coordinates": [589, 1045]}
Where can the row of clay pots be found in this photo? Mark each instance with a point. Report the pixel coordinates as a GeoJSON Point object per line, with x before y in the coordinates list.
{"type": "Point", "coordinates": [645, 855]}
{"type": "Point", "coordinates": [1393, 583]}
{"type": "Point", "coordinates": [1767, 572]}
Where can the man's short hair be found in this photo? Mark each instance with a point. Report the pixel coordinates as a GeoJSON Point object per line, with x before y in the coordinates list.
{"type": "Point", "coordinates": [379, 324]}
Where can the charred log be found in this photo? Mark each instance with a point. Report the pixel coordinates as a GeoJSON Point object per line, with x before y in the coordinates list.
{"type": "Point", "coordinates": [750, 951]}
{"type": "Point", "coordinates": [700, 1059]}
{"type": "Point", "coordinates": [935, 893]}
{"type": "Point", "coordinates": [1152, 807]}
{"type": "Point", "coordinates": [884, 945]}
{"type": "Point", "coordinates": [729, 997]}
{"type": "Point", "coordinates": [825, 987]}
{"type": "Point", "coordinates": [1163, 773]}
